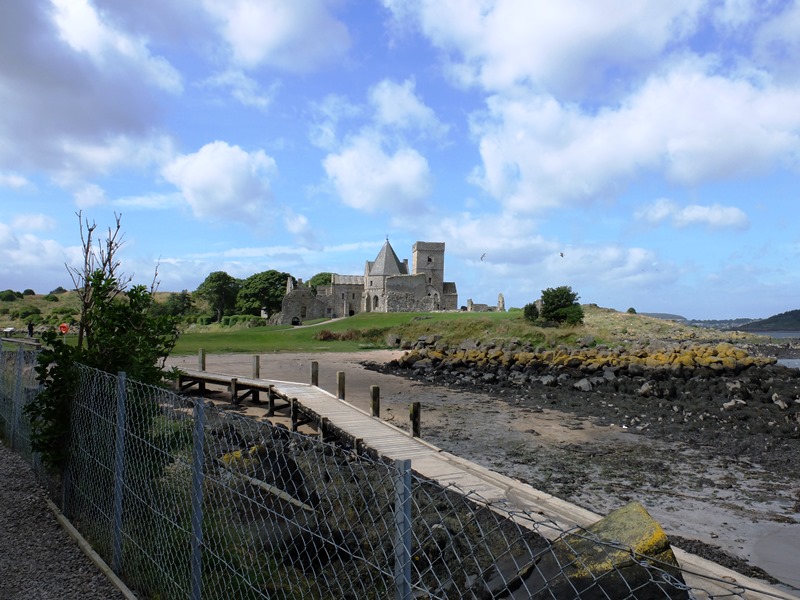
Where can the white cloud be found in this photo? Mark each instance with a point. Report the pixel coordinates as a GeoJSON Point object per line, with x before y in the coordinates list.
{"type": "Point", "coordinates": [27, 261]}
{"type": "Point", "coordinates": [151, 201]}
{"type": "Point", "coordinates": [223, 181]}
{"type": "Point", "coordinates": [732, 14]}
{"type": "Point", "coordinates": [777, 43]}
{"type": "Point", "coordinates": [244, 89]}
{"type": "Point", "coordinates": [12, 180]}
{"type": "Point", "coordinates": [502, 43]}
{"type": "Point", "coordinates": [84, 157]}
{"type": "Point", "coordinates": [90, 195]}
{"type": "Point", "coordinates": [68, 109]}
{"type": "Point", "coordinates": [397, 106]}
{"type": "Point", "coordinates": [367, 178]}
{"type": "Point", "coordinates": [715, 216]}
{"type": "Point", "coordinates": [81, 27]}
{"type": "Point", "coordinates": [294, 36]}
{"type": "Point", "coordinates": [327, 115]}
{"type": "Point", "coordinates": [692, 127]}
{"type": "Point", "coordinates": [300, 227]}
{"type": "Point", "coordinates": [33, 222]}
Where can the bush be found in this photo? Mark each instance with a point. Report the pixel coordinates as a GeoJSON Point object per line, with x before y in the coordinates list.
{"type": "Point", "coordinates": [51, 298]}
{"type": "Point", "coordinates": [560, 305]}
{"type": "Point", "coordinates": [631, 311]}
{"type": "Point", "coordinates": [28, 292]}
{"type": "Point", "coordinates": [59, 290]}
{"type": "Point", "coordinates": [531, 312]}
{"type": "Point", "coordinates": [28, 311]}
{"type": "Point", "coordinates": [8, 296]}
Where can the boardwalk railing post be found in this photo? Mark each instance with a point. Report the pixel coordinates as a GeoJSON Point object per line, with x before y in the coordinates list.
{"type": "Point", "coordinates": [402, 519]}
{"type": "Point", "coordinates": [201, 360]}
{"type": "Point", "coordinates": [119, 473]}
{"type": "Point", "coordinates": [340, 384]}
{"type": "Point", "coordinates": [415, 419]}
{"type": "Point", "coordinates": [294, 412]}
{"type": "Point", "coordinates": [314, 373]}
{"type": "Point", "coordinates": [256, 375]}
{"type": "Point", "coordinates": [375, 392]}
{"type": "Point", "coordinates": [197, 499]}
{"type": "Point", "coordinates": [234, 387]}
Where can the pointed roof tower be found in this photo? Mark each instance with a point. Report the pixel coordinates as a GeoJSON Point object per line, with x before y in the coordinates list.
{"type": "Point", "coordinates": [387, 263]}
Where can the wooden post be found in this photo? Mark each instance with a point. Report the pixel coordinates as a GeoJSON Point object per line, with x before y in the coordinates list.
{"type": "Point", "coordinates": [340, 384]}
{"type": "Point", "coordinates": [201, 360]}
{"type": "Point", "coordinates": [256, 375]}
{"type": "Point", "coordinates": [294, 412]}
{"type": "Point", "coordinates": [234, 390]}
{"type": "Point", "coordinates": [314, 373]}
{"type": "Point", "coordinates": [271, 402]}
{"type": "Point", "coordinates": [375, 391]}
{"type": "Point", "coordinates": [415, 419]}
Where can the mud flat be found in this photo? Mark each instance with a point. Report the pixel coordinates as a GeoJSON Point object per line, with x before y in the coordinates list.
{"type": "Point", "coordinates": [728, 491]}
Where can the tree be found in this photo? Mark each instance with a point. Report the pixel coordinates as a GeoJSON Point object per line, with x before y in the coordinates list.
{"type": "Point", "coordinates": [120, 333]}
{"type": "Point", "coordinates": [560, 305]}
{"type": "Point", "coordinates": [631, 311]}
{"type": "Point", "coordinates": [220, 290]}
{"type": "Point", "coordinates": [531, 312]}
{"type": "Point", "coordinates": [319, 279]}
{"type": "Point", "coordinates": [262, 290]}
{"type": "Point", "coordinates": [176, 305]}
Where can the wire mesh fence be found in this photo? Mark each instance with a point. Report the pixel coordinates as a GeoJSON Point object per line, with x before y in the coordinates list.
{"type": "Point", "coordinates": [187, 500]}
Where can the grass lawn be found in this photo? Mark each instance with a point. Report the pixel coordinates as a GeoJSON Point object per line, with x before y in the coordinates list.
{"type": "Point", "coordinates": [363, 331]}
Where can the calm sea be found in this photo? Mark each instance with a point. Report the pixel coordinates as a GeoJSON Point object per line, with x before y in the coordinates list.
{"type": "Point", "coordinates": [779, 334]}
{"type": "Point", "coordinates": [794, 335]}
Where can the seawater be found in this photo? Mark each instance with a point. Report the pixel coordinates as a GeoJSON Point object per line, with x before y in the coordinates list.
{"type": "Point", "coordinates": [793, 363]}
{"type": "Point", "coordinates": [779, 334]}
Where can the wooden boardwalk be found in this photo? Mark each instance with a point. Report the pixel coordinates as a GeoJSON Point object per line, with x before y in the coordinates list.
{"type": "Point", "coordinates": [313, 405]}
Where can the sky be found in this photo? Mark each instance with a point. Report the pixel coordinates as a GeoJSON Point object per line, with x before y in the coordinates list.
{"type": "Point", "coordinates": [645, 153]}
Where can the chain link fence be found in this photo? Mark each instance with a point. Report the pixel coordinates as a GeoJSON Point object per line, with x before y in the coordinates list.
{"type": "Point", "coordinates": [187, 500]}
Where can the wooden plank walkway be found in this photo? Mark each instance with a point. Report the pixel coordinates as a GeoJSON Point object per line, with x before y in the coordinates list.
{"type": "Point", "coordinates": [500, 491]}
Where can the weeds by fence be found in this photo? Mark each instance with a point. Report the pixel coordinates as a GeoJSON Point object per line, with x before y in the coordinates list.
{"type": "Point", "coordinates": [186, 500]}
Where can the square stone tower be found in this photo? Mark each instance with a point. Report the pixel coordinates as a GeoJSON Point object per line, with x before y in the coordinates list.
{"type": "Point", "coordinates": [428, 258]}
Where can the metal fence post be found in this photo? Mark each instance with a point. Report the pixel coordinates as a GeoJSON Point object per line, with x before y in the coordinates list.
{"type": "Point", "coordinates": [402, 519]}
{"type": "Point", "coordinates": [16, 399]}
{"type": "Point", "coordinates": [119, 472]}
{"type": "Point", "coordinates": [197, 499]}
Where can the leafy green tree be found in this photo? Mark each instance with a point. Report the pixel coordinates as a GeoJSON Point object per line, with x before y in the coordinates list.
{"type": "Point", "coordinates": [120, 333]}
{"type": "Point", "coordinates": [531, 312]}
{"type": "Point", "coordinates": [262, 290]}
{"type": "Point", "coordinates": [560, 305]}
{"type": "Point", "coordinates": [176, 305]}
{"type": "Point", "coordinates": [319, 279]}
{"type": "Point", "coordinates": [220, 290]}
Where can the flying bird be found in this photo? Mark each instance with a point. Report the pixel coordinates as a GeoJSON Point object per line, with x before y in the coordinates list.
{"type": "Point", "coordinates": [561, 254]}
{"type": "Point", "coordinates": [483, 255]}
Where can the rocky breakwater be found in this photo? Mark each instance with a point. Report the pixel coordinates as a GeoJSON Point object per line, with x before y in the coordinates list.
{"type": "Point", "coordinates": [678, 388]}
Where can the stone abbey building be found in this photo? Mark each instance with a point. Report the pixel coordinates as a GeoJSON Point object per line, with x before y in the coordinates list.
{"type": "Point", "coordinates": [386, 286]}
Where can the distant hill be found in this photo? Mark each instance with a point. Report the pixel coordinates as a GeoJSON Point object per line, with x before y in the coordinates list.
{"type": "Point", "coordinates": [666, 317]}
{"type": "Point", "coordinates": [788, 321]}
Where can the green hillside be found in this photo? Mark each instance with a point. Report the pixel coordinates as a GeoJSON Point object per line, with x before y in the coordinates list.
{"type": "Point", "coordinates": [788, 321]}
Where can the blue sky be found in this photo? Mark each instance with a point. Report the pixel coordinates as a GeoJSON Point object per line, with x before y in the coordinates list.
{"type": "Point", "coordinates": [656, 145]}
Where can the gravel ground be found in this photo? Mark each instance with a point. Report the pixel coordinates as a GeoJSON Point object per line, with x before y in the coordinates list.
{"type": "Point", "coordinates": [38, 559]}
